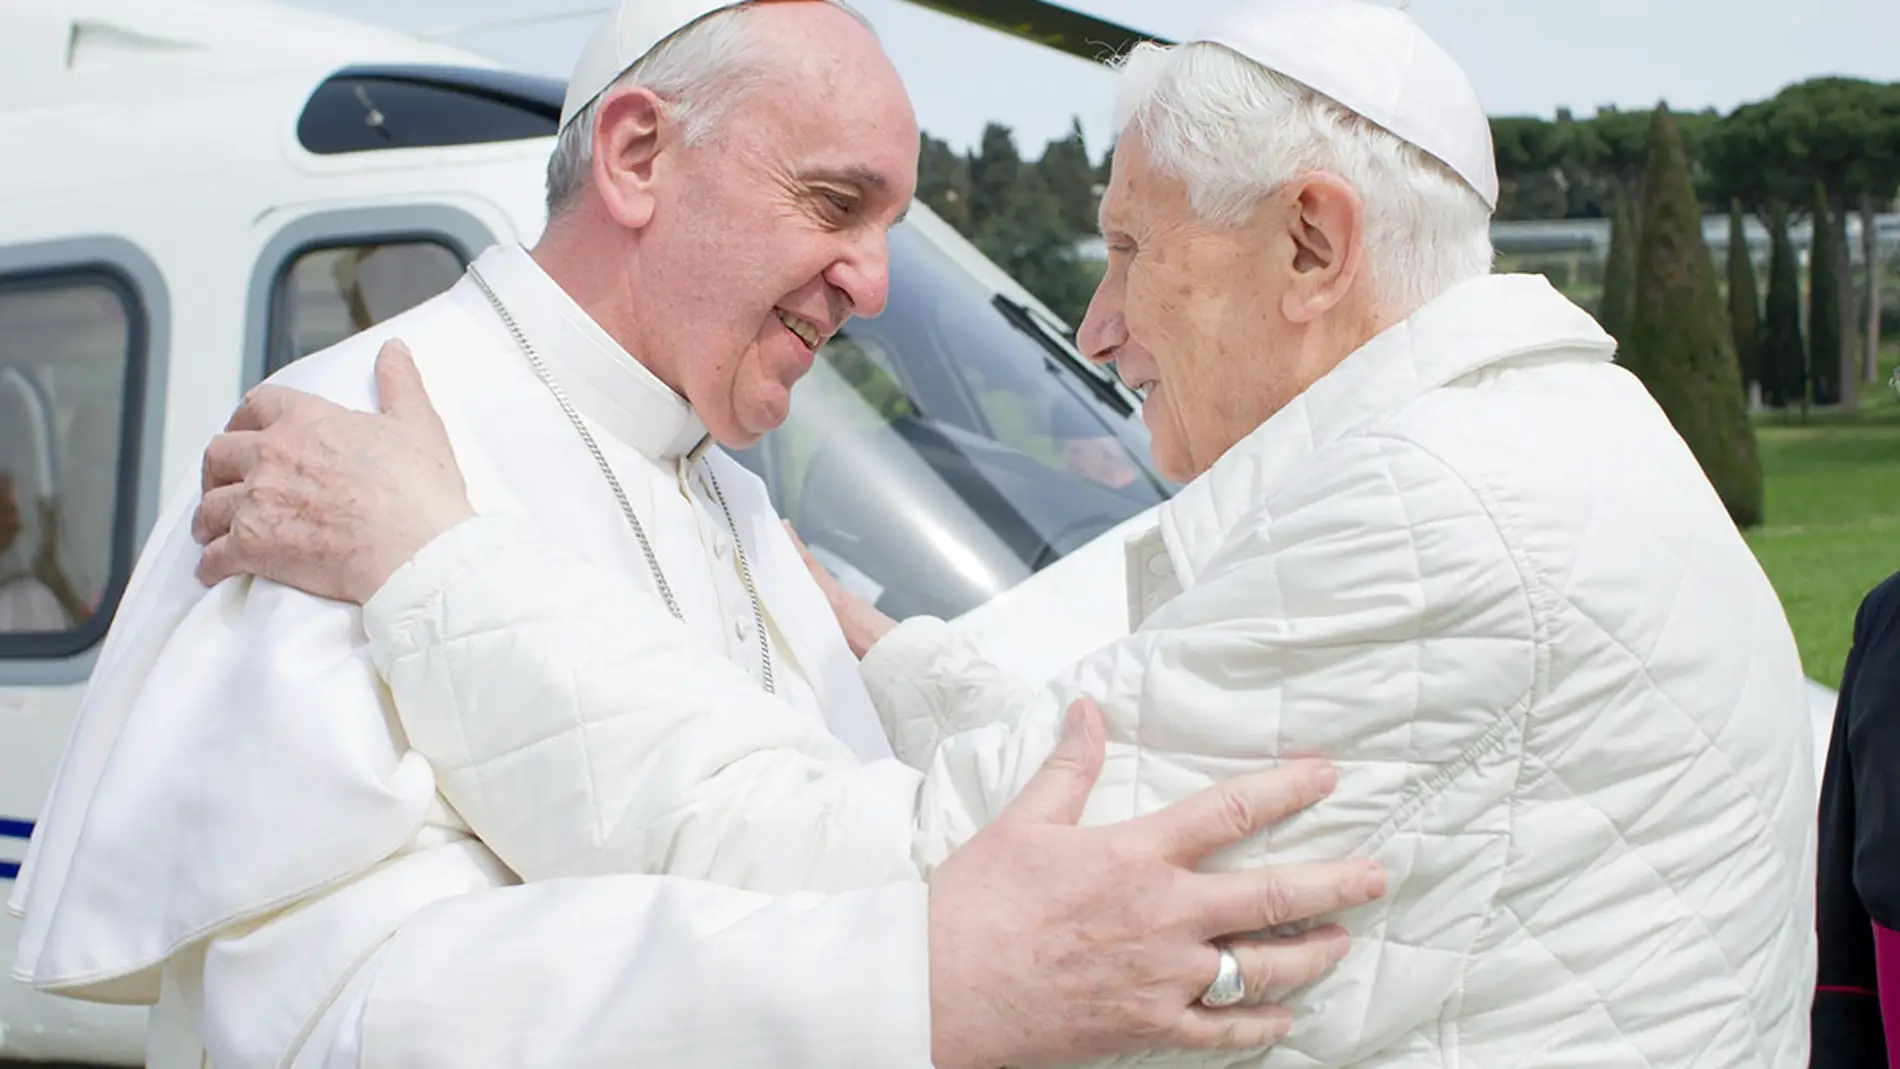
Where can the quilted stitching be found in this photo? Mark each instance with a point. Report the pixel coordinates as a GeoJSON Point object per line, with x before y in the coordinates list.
{"type": "Point", "coordinates": [1565, 705]}
{"type": "Point", "coordinates": [1652, 898]}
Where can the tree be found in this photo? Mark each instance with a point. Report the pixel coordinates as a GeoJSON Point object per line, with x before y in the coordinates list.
{"type": "Point", "coordinates": [1783, 353]}
{"type": "Point", "coordinates": [1619, 271]}
{"type": "Point", "coordinates": [1530, 158]}
{"type": "Point", "coordinates": [1744, 302]}
{"type": "Point", "coordinates": [1678, 342]}
{"type": "Point", "coordinates": [943, 183]}
{"type": "Point", "coordinates": [1877, 181]}
{"type": "Point", "coordinates": [1067, 173]}
{"type": "Point", "coordinates": [1826, 348]}
{"type": "Point", "coordinates": [996, 180]}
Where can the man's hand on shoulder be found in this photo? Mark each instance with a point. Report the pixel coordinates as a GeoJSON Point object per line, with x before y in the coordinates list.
{"type": "Point", "coordinates": [1051, 942]}
{"type": "Point", "coordinates": [331, 501]}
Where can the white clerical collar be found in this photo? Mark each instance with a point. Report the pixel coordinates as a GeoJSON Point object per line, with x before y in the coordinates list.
{"type": "Point", "coordinates": [600, 377]}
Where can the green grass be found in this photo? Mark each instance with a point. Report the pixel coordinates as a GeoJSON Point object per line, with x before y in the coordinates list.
{"type": "Point", "coordinates": [1832, 526]}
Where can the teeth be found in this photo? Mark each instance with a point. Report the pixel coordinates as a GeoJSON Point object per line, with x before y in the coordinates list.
{"type": "Point", "coordinates": [806, 332]}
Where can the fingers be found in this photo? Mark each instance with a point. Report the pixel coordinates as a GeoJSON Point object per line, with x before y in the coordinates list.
{"type": "Point", "coordinates": [399, 387]}
{"type": "Point", "coordinates": [216, 510]}
{"type": "Point", "coordinates": [262, 406]}
{"type": "Point", "coordinates": [229, 458]}
{"type": "Point", "coordinates": [1253, 900]}
{"type": "Point", "coordinates": [218, 562]}
{"type": "Point", "coordinates": [1233, 1028]}
{"type": "Point", "coordinates": [1058, 791]}
{"type": "Point", "coordinates": [1230, 811]}
{"type": "Point", "coordinates": [1271, 968]}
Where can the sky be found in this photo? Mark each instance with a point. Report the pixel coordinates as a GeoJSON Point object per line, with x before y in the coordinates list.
{"type": "Point", "coordinates": [1526, 57]}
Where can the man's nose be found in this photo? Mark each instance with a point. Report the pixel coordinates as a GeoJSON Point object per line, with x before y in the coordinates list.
{"type": "Point", "coordinates": [864, 276]}
{"type": "Point", "coordinates": [1103, 331]}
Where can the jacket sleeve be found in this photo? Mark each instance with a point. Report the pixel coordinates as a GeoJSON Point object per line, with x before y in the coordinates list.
{"type": "Point", "coordinates": [929, 682]}
{"type": "Point", "coordinates": [619, 971]}
{"type": "Point", "coordinates": [597, 973]}
{"type": "Point", "coordinates": [579, 729]}
{"type": "Point", "coordinates": [1370, 611]}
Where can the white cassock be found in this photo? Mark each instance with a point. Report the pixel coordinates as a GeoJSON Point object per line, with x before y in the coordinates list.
{"type": "Point", "coordinates": [240, 832]}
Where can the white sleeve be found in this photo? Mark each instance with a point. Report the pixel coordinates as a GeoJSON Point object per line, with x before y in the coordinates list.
{"type": "Point", "coordinates": [609, 972]}
{"type": "Point", "coordinates": [579, 729]}
{"type": "Point", "coordinates": [929, 682]}
{"type": "Point", "coordinates": [1371, 612]}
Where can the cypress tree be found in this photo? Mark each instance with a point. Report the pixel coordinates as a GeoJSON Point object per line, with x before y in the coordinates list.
{"type": "Point", "coordinates": [1619, 271]}
{"type": "Point", "coordinates": [1824, 307]}
{"type": "Point", "coordinates": [1678, 342]}
{"type": "Point", "coordinates": [1744, 302]}
{"type": "Point", "coordinates": [1783, 353]}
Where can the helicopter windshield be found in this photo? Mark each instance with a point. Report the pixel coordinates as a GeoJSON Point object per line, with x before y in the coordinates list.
{"type": "Point", "coordinates": [941, 453]}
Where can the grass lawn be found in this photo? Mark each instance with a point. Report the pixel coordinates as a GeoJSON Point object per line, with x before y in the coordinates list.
{"type": "Point", "coordinates": [1832, 525]}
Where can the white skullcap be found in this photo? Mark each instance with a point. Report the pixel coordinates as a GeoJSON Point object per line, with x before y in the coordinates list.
{"type": "Point", "coordinates": [627, 35]}
{"type": "Point", "coordinates": [1377, 63]}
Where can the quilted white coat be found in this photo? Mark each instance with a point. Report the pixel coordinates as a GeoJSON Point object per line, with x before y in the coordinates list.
{"type": "Point", "coordinates": [1474, 565]}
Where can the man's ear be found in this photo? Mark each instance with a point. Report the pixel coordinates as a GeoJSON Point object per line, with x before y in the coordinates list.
{"type": "Point", "coordinates": [1326, 221]}
{"type": "Point", "coordinates": [631, 137]}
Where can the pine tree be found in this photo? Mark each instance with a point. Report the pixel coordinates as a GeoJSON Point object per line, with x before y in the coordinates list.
{"type": "Point", "coordinates": [943, 183]}
{"type": "Point", "coordinates": [1619, 272]}
{"type": "Point", "coordinates": [1825, 345]}
{"type": "Point", "coordinates": [1067, 174]}
{"type": "Point", "coordinates": [1783, 353]}
{"type": "Point", "coordinates": [996, 180]}
{"type": "Point", "coordinates": [1678, 342]}
{"type": "Point", "coordinates": [1744, 300]}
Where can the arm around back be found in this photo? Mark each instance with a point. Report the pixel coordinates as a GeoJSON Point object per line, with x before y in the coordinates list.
{"type": "Point", "coordinates": [581, 730]}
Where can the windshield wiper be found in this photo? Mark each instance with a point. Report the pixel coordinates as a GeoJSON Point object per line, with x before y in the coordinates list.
{"type": "Point", "coordinates": [1058, 344]}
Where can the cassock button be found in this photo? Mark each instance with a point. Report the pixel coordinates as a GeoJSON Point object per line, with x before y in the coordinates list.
{"type": "Point", "coordinates": [740, 627]}
{"type": "Point", "coordinates": [722, 545]}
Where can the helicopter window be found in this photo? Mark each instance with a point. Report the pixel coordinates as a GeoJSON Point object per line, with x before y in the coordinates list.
{"type": "Point", "coordinates": [328, 294]}
{"type": "Point", "coordinates": [70, 346]}
{"type": "Point", "coordinates": [939, 454]}
{"type": "Point", "coordinates": [367, 110]}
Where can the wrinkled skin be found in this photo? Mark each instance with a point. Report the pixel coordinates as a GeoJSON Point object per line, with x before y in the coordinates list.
{"type": "Point", "coordinates": [1221, 326]}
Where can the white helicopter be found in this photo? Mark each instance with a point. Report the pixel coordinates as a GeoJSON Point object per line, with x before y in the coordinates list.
{"type": "Point", "coordinates": [194, 193]}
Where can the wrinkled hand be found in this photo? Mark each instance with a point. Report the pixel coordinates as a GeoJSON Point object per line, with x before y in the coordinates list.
{"type": "Point", "coordinates": [863, 625]}
{"type": "Point", "coordinates": [325, 499]}
{"type": "Point", "coordinates": [1054, 943]}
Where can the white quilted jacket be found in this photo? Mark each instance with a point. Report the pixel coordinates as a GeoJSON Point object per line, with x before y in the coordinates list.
{"type": "Point", "coordinates": [1474, 565]}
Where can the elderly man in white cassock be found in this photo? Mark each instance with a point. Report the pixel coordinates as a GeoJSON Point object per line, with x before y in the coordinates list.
{"type": "Point", "coordinates": [241, 833]}
{"type": "Point", "coordinates": [1433, 532]}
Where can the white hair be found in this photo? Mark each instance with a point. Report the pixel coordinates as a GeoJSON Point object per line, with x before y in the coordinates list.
{"type": "Point", "coordinates": [699, 71]}
{"type": "Point", "coordinates": [1234, 132]}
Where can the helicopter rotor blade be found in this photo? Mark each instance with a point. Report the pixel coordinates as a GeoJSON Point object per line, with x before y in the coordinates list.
{"type": "Point", "coordinates": [1047, 24]}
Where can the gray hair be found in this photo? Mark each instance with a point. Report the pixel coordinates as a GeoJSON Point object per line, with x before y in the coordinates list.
{"type": "Point", "coordinates": [1234, 132]}
{"type": "Point", "coordinates": [700, 72]}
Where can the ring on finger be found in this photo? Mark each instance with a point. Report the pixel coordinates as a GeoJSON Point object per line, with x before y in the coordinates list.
{"type": "Point", "coordinates": [1228, 987]}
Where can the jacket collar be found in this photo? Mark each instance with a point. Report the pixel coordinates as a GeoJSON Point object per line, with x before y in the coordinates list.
{"type": "Point", "coordinates": [604, 382]}
{"type": "Point", "coordinates": [1483, 323]}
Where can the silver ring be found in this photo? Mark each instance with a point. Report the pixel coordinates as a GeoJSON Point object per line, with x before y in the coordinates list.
{"type": "Point", "coordinates": [1228, 988]}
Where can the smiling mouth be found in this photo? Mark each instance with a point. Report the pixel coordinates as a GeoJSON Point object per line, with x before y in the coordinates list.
{"type": "Point", "coordinates": [1142, 387]}
{"type": "Point", "coordinates": [804, 329]}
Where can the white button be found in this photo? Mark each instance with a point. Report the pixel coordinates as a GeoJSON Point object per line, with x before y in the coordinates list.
{"type": "Point", "coordinates": [740, 627]}
{"type": "Point", "coordinates": [721, 544]}
{"type": "Point", "coordinates": [1160, 566]}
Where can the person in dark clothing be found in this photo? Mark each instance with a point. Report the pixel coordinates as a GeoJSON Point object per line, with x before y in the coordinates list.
{"type": "Point", "coordinates": [1856, 1012]}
